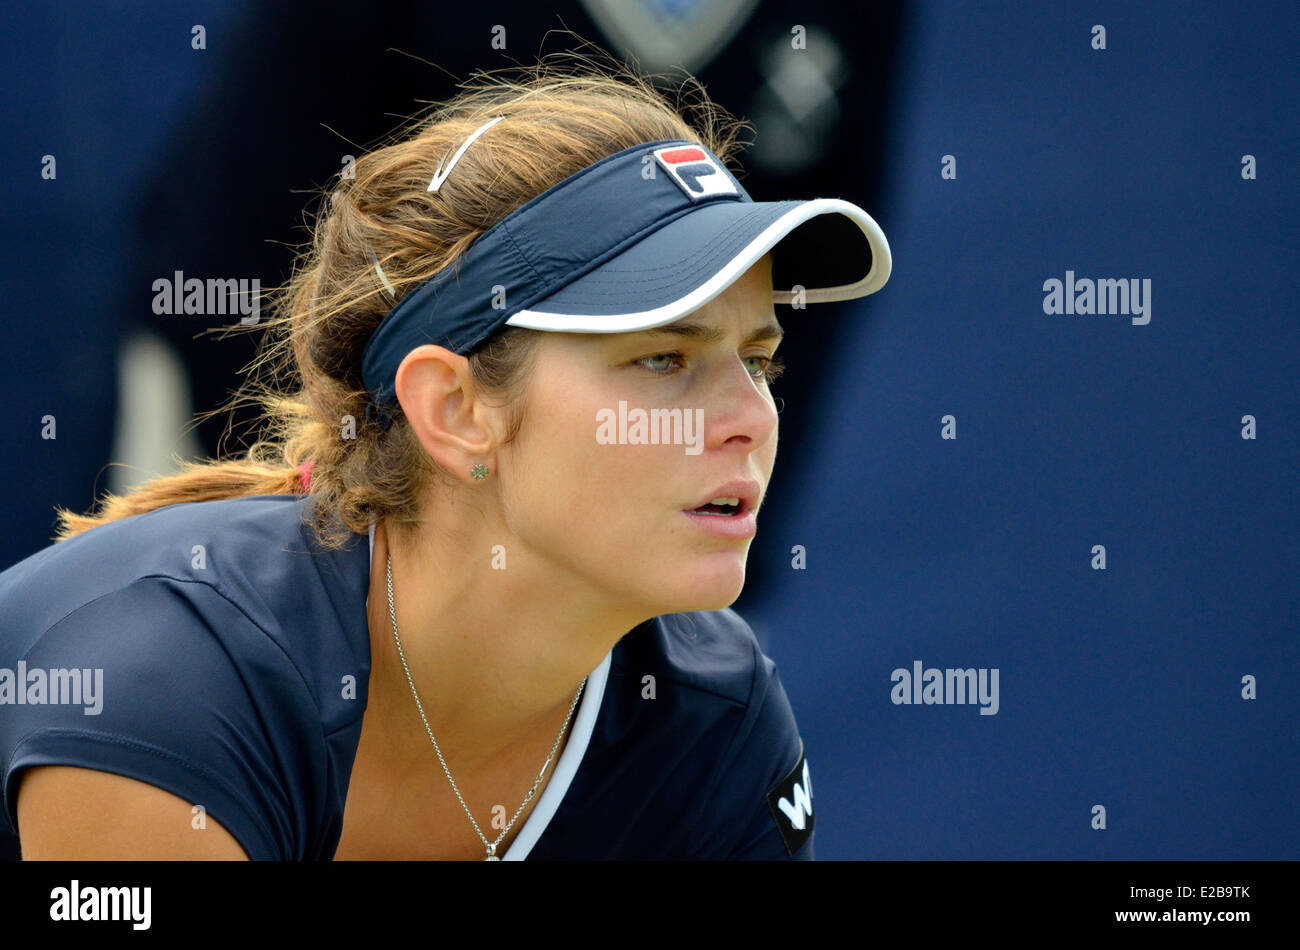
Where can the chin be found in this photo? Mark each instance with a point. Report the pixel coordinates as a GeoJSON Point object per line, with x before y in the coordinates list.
{"type": "Point", "coordinates": [703, 593]}
{"type": "Point", "coordinates": [716, 604]}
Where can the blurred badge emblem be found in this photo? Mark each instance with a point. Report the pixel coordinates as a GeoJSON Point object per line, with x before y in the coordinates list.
{"type": "Point", "coordinates": [664, 33]}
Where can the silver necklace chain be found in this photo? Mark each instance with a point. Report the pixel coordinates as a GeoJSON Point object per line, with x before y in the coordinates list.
{"type": "Point", "coordinates": [491, 846]}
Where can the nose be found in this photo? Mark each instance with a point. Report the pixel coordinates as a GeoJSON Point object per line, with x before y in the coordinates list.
{"type": "Point", "coordinates": [740, 408]}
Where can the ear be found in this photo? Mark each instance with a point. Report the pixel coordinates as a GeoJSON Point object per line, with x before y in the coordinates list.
{"type": "Point", "coordinates": [436, 390]}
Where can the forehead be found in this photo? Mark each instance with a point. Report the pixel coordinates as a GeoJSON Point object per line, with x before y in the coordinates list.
{"type": "Point", "coordinates": [696, 327]}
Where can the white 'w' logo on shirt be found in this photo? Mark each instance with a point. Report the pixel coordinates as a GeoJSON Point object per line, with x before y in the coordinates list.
{"type": "Point", "coordinates": [802, 794]}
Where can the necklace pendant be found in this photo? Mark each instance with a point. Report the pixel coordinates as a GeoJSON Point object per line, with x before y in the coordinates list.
{"type": "Point", "coordinates": [491, 857]}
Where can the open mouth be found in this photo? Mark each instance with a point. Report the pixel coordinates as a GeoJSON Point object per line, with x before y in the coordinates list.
{"type": "Point", "coordinates": [720, 508]}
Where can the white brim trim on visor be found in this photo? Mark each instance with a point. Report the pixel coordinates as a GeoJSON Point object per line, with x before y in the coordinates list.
{"type": "Point", "coordinates": [769, 237]}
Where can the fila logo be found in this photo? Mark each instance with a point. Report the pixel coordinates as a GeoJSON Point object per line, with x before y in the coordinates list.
{"type": "Point", "coordinates": [695, 171]}
{"type": "Point", "coordinates": [791, 806]}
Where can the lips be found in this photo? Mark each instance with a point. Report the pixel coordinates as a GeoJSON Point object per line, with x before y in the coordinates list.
{"type": "Point", "coordinates": [735, 498]}
{"type": "Point", "coordinates": [728, 527]}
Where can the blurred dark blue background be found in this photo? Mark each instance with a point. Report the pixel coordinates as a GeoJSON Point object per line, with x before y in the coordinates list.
{"type": "Point", "coordinates": [1118, 687]}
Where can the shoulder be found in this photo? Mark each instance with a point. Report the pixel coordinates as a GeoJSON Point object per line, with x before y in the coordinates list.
{"type": "Point", "coordinates": [196, 648]}
{"type": "Point", "coordinates": [703, 679]}
{"type": "Point", "coordinates": [250, 549]}
{"type": "Point", "coordinates": [712, 651]}
{"type": "Point", "coordinates": [242, 572]}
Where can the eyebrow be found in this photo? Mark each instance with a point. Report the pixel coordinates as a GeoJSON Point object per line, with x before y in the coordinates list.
{"type": "Point", "coordinates": [768, 331]}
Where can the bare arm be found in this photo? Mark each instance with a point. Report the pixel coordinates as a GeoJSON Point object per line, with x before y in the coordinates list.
{"type": "Point", "coordinates": [69, 813]}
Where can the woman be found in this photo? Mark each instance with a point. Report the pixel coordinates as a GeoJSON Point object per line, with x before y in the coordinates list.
{"type": "Point", "coordinates": [474, 603]}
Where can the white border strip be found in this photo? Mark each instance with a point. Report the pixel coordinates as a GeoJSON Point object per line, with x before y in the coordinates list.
{"type": "Point", "coordinates": [565, 769]}
{"type": "Point", "coordinates": [881, 266]}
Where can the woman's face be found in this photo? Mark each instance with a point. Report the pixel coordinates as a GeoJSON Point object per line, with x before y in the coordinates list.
{"type": "Point", "coordinates": [600, 483]}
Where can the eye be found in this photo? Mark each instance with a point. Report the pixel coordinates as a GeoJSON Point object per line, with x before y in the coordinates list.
{"type": "Point", "coordinates": [644, 361]}
{"type": "Point", "coordinates": [771, 369]}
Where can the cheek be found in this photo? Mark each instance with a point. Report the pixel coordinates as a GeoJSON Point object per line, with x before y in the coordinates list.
{"type": "Point", "coordinates": [572, 493]}
{"type": "Point", "coordinates": [566, 484]}
{"type": "Point", "coordinates": [769, 450]}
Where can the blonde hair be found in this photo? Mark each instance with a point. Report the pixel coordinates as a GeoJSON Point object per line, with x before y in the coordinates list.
{"type": "Point", "coordinates": [559, 118]}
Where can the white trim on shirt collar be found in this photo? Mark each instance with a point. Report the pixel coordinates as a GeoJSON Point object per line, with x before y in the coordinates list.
{"type": "Point", "coordinates": [565, 769]}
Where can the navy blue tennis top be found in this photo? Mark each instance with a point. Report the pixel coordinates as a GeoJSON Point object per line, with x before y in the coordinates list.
{"type": "Point", "coordinates": [217, 651]}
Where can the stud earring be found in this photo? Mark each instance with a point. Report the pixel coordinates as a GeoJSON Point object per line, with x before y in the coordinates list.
{"type": "Point", "coordinates": [479, 471]}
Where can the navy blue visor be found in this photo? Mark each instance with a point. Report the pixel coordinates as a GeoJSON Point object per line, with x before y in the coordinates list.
{"type": "Point", "coordinates": [636, 240]}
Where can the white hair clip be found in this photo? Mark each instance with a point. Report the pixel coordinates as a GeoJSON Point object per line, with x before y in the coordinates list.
{"type": "Point", "coordinates": [440, 175]}
{"type": "Point", "coordinates": [383, 278]}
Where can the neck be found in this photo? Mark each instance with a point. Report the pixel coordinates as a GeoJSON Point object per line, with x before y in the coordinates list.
{"type": "Point", "coordinates": [496, 665]}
